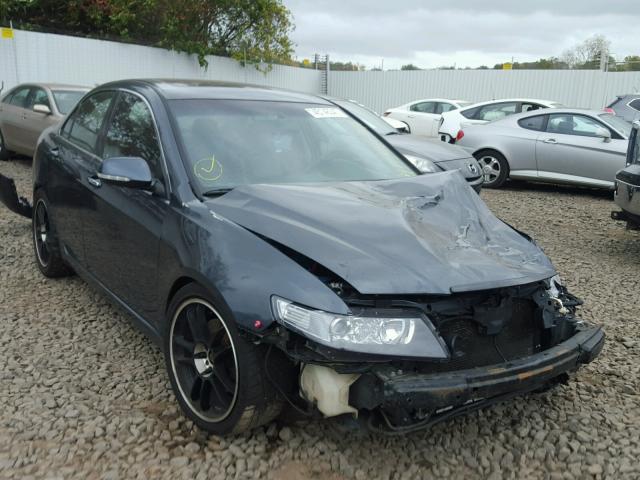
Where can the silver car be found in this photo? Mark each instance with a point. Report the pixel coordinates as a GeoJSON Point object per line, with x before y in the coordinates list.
{"type": "Point", "coordinates": [574, 146]}
{"type": "Point", "coordinates": [26, 110]}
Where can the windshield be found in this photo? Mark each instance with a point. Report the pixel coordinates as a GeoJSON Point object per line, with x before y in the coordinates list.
{"type": "Point", "coordinates": [67, 99]}
{"type": "Point", "coordinates": [367, 116]}
{"type": "Point", "coordinates": [237, 142]}
{"type": "Point", "coordinates": [620, 124]}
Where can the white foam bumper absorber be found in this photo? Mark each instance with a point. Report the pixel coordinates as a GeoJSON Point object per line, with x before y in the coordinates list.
{"type": "Point", "coordinates": [327, 389]}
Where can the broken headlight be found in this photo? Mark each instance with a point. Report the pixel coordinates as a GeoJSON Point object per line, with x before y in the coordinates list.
{"type": "Point", "coordinates": [402, 336]}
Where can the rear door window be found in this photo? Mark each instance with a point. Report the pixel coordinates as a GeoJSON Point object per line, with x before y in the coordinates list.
{"type": "Point", "coordinates": [445, 107]}
{"type": "Point", "coordinates": [496, 111]}
{"type": "Point", "coordinates": [424, 107]}
{"type": "Point", "coordinates": [84, 124]}
{"type": "Point", "coordinates": [19, 97]}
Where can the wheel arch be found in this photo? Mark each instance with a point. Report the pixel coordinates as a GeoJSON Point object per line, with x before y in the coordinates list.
{"type": "Point", "coordinates": [493, 149]}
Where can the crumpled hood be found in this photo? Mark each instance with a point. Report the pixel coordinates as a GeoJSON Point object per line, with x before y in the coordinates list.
{"type": "Point", "coordinates": [429, 234]}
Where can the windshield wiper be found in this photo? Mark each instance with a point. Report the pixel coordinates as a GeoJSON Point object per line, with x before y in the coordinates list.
{"type": "Point", "coordinates": [392, 133]}
{"type": "Point", "coordinates": [214, 192]}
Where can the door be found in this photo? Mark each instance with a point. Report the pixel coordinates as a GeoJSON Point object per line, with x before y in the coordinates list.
{"type": "Point", "coordinates": [36, 122]}
{"type": "Point", "coordinates": [123, 230]}
{"type": "Point", "coordinates": [72, 160]}
{"type": "Point", "coordinates": [571, 150]}
{"type": "Point", "coordinates": [13, 111]}
{"type": "Point", "coordinates": [423, 118]}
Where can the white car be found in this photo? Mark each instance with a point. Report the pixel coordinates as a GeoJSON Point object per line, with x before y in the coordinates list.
{"type": "Point", "coordinates": [423, 116]}
{"type": "Point", "coordinates": [484, 112]}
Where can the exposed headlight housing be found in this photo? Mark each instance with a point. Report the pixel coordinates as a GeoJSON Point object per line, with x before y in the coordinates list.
{"type": "Point", "coordinates": [423, 164]}
{"type": "Point", "coordinates": [393, 335]}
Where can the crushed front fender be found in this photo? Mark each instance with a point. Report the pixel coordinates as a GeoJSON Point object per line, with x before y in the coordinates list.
{"type": "Point", "coordinates": [9, 196]}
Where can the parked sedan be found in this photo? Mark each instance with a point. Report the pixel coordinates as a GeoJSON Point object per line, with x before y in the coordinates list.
{"type": "Point", "coordinates": [453, 121]}
{"type": "Point", "coordinates": [428, 154]}
{"type": "Point", "coordinates": [627, 184]}
{"type": "Point", "coordinates": [280, 252]}
{"type": "Point", "coordinates": [28, 109]}
{"type": "Point", "coordinates": [582, 147]}
{"type": "Point", "coordinates": [423, 116]}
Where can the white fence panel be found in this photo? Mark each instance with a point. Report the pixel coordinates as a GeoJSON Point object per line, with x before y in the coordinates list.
{"type": "Point", "coordinates": [42, 57]}
{"type": "Point", "coordinates": [576, 88]}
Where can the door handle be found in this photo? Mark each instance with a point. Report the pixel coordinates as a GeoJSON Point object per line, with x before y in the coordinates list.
{"type": "Point", "coordinates": [550, 140]}
{"type": "Point", "coordinates": [94, 182]}
{"type": "Point", "coordinates": [411, 116]}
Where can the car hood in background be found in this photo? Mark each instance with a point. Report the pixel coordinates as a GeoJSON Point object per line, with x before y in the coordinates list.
{"type": "Point", "coordinates": [429, 234]}
{"type": "Point", "coordinates": [431, 149]}
{"type": "Point", "coordinates": [445, 155]}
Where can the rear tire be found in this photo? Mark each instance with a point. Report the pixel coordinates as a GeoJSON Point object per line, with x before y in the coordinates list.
{"type": "Point", "coordinates": [217, 376]}
{"type": "Point", "coordinates": [45, 240]}
{"type": "Point", "coordinates": [495, 168]}
{"type": "Point", "coordinates": [4, 153]}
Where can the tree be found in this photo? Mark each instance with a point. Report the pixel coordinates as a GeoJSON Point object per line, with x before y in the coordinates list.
{"type": "Point", "coordinates": [631, 63]}
{"type": "Point", "coordinates": [251, 30]}
{"type": "Point", "coordinates": [409, 66]}
{"type": "Point", "coordinates": [587, 54]}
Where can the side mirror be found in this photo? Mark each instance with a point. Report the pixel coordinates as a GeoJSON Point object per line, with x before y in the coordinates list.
{"type": "Point", "coordinates": [604, 133]}
{"type": "Point", "coordinates": [41, 108]}
{"type": "Point", "coordinates": [132, 172]}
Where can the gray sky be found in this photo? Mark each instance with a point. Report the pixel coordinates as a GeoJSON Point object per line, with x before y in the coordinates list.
{"type": "Point", "coordinates": [465, 32]}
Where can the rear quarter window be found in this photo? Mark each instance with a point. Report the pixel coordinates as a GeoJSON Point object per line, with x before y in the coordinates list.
{"type": "Point", "coordinates": [635, 104]}
{"type": "Point", "coordinates": [536, 123]}
{"type": "Point", "coordinates": [469, 113]}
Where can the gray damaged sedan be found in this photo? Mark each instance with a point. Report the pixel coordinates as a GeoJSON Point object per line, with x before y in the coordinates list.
{"type": "Point", "coordinates": [281, 253]}
{"type": "Point", "coordinates": [568, 146]}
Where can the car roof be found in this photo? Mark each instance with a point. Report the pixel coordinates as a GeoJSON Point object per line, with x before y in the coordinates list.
{"type": "Point", "coordinates": [55, 86]}
{"type": "Point", "coordinates": [173, 89]}
{"type": "Point", "coordinates": [434, 100]}
{"type": "Point", "coordinates": [503, 100]}
{"type": "Point", "coordinates": [555, 111]}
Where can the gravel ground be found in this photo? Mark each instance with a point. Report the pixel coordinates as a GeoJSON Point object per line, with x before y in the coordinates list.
{"type": "Point", "coordinates": [83, 394]}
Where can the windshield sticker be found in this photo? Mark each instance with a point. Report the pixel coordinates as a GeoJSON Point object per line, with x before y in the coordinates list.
{"type": "Point", "coordinates": [328, 112]}
{"type": "Point", "coordinates": [208, 169]}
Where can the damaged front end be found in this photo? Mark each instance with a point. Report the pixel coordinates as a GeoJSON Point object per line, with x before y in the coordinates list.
{"type": "Point", "coordinates": [451, 355]}
{"type": "Point", "coordinates": [9, 196]}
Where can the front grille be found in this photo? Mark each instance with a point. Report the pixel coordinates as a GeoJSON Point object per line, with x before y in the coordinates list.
{"type": "Point", "coordinates": [471, 347]}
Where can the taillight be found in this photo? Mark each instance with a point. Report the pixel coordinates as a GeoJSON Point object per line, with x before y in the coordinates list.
{"type": "Point", "coordinates": [610, 110]}
{"type": "Point", "coordinates": [386, 114]}
{"type": "Point", "coordinates": [459, 135]}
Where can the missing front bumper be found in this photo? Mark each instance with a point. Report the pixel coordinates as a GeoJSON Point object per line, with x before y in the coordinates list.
{"type": "Point", "coordinates": [438, 396]}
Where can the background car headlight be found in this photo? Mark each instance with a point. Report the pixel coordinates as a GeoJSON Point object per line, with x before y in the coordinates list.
{"type": "Point", "coordinates": [423, 164]}
{"type": "Point", "coordinates": [401, 336]}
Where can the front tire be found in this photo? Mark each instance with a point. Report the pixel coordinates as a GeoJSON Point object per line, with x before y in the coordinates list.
{"type": "Point", "coordinates": [495, 168]}
{"type": "Point", "coordinates": [45, 240]}
{"type": "Point", "coordinates": [4, 153]}
{"type": "Point", "coordinates": [217, 376]}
